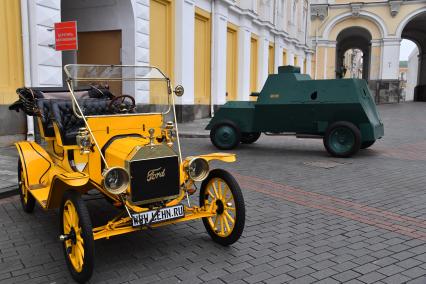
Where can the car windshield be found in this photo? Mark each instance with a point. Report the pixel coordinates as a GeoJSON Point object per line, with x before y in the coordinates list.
{"type": "Point", "coordinates": [103, 90]}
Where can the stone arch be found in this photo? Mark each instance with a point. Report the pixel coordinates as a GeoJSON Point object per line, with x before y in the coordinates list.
{"type": "Point", "coordinates": [353, 37]}
{"type": "Point", "coordinates": [408, 19]}
{"type": "Point", "coordinates": [363, 23]}
{"type": "Point", "coordinates": [378, 26]}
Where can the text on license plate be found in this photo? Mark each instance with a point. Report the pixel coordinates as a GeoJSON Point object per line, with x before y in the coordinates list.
{"type": "Point", "coordinates": [165, 214]}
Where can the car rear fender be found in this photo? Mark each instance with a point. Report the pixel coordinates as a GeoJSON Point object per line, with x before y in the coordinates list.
{"type": "Point", "coordinates": [36, 164]}
{"type": "Point", "coordinates": [46, 180]}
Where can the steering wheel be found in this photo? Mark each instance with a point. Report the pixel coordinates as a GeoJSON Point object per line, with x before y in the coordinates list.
{"type": "Point", "coordinates": [118, 104]}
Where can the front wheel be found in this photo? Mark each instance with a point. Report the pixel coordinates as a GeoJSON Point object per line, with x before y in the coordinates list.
{"type": "Point", "coordinates": [225, 136]}
{"type": "Point", "coordinates": [342, 139]}
{"type": "Point", "coordinates": [221, 194]}
{"type": "Point", "coordinates": [77, 235]}
{"type": "Point", "coordinates": [27, 200]}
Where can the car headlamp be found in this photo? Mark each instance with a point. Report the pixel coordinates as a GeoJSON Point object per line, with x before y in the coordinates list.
{"type": "Point", "coordinates": [116, 180]}
{"type": "Point", "coordinates": [198, 169]}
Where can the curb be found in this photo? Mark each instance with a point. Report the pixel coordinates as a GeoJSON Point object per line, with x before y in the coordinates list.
{"type": "Point", "coordinates": [9, 191]}
{"type": "Point", "coordinates": [193, 135]}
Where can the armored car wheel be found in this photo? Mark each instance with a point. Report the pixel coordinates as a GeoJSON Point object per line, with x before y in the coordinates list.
{"type": "Point", "coordinates": [27, 200]}
{"type": "Point", "coordinates": [77, 236]}
{"type": "Point", "coordinates": [342, 139]}
{"type": "Point", "coordinates": [249, 137]}
{"type": "Point", "coordinates": [366, 144]}
{"type": "Point", "coordinates": [225, 136]}
{"type": "Point", "coordinates": [221, 192]}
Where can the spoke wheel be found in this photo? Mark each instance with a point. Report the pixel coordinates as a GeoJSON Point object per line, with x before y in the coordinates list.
{"type": "Point", "coordinates": [221, 194]}
{"type": "Point", "coordinates": [27, 200]}
{"type": "Point", "coordinates": [342, 139]}
{"type": "Point", "coordinates": [225, 136]}
{"type": "Point", "coordinates": [78, 247]}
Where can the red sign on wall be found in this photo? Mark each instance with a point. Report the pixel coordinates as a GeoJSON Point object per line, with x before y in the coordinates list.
{"type": "Point", "coordinates": [66, 36]}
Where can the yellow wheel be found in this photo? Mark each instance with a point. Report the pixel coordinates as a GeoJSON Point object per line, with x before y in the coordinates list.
{"type": "Point", "coordinates": [77, 236]}
{"type": "Point", "coordinates": [221, 194]}
{"type": "Point", "coordinates": [27, 200]}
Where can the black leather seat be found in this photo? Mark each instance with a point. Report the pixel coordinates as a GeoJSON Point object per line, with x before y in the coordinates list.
{"type": "Point", "coordinates": [45, 111]}
{"type": "Point", "coordinates": [68, 123]}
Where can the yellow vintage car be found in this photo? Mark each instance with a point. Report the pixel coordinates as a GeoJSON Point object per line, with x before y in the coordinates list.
{"type": "Point", "coordinates": [130, 153]}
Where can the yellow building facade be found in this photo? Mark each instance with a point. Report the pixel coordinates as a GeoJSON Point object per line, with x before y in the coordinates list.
{"type": "Point", "coordinates": [374, 27]}
{"type": "Point", "coordinates": [11, 71]}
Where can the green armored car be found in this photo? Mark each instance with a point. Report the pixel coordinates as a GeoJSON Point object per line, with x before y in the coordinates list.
{"type": "Point", "coordinates": [342, 112]}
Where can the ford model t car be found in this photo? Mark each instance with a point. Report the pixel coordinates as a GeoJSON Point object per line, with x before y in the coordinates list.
{"type": "Point", "coordinates": [100, 140]}
{"type": "Point", "coordinates": [341, 112]}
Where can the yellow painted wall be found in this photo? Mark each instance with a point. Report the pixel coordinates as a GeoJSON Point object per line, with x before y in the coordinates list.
{"type": "Point", "coordinates": [304, 67]}
{"type": "Point", "coordinates": [320, 63]}
{"type": "Point", "coordinates": [253, 64]}
{"type": "Point", "coordinates": [11, 62]}
{"type": "Point", "coordinates": [331, 63]}
{"type": "Point", "coordinates": [271, 58]}
{"type": "Point", "coordinates": [161, 45]}
{"type": "Point", "coordinates": [232, 62]}
{"type": "Point", "coordinates": [375, 62]}
{"type": "Point", "coordinates": [202, 58]}
{"type": "Point", "coordinates": [284, 57]}
{"type": "Point", "coordinates": [296, 61]}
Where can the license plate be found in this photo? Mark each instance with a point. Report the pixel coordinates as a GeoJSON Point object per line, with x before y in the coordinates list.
{"type": "Point", "coordinates": [165, 214]}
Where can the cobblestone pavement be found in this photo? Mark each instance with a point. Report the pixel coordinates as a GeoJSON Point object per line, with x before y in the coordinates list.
{"type": "Point", "coordinates": [310, 219]}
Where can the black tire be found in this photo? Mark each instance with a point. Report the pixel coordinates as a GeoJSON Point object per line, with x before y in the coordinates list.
{"type": "Point", "coordinates": [225, 135]}
{"type": "Point", "coordinates": [27, 200]}
{"type": "Point", "coordinates": [86, 234]}
{"type": "Point", "coordinates": [238, 213]}
{"type": "Point", "coordinates": [367, 144]}
{"type": "Point", "coordinates": [342, 145]}
{"type": "Point", "coordinates": [249, 137]}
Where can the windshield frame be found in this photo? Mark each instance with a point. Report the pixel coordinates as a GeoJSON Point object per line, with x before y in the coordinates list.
{"type": "Point", "coordinates": [76, 107]}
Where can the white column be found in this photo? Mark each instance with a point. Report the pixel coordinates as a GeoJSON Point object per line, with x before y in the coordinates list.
{"type": "Point", "coordinates": [390, 59]}
{"type": "Point", "coordinates": [184, 49]}
{"type": "Point", "coordinates": [290, 57]}
{"type": "Point", "coordinates": [278, 56]}
{"type": "Point", "coordinates": [309, 64]}
{"type": "Point", "coordinates": [263, 59]}
{"type": "Point", "coordinates": [46, 63]}
{"type": "Point", "coordinates": [141, 12]}
{"type": "Point", "coordinates": [244, 44]}
{"type": "Point", "coordinates": [220, 19]}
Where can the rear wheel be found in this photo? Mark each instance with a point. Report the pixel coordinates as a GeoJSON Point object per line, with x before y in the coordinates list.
{"type": "Point", "coordinates": [342, 139]}
{"type": "Point", "coordinates": [225, 136]}
{"type": "Point", "coordinates": [249, 137]}
{"type": "Point", "coordinates": [27, 200]}
{"type": "Point", "coordinates": [221, 193]}
{"type": "Point", "coordinates": [366, 144]}
{"type": "Point", "coordinates": [76, 231]}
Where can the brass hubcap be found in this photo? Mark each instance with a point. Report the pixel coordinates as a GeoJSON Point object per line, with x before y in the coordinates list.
{"type": "Point", "coordinates": [219, 200]}
{"type": "Point", "coordinates": [74, 244]}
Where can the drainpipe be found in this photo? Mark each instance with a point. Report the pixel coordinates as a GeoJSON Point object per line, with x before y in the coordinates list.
{"type": "Point", "coordinates": [212, 60]}
{"type": "Point", "coordinates": [27, 61]}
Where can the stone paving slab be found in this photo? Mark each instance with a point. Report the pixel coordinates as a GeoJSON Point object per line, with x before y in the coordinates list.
{"type": "Point", "coordinates": [360, 222]}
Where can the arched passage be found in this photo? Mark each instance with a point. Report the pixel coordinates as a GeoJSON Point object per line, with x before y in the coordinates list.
{"type": "Point", "coordinates": [355, 38]}
{"type": "Point", "coordinates": [415, 30]}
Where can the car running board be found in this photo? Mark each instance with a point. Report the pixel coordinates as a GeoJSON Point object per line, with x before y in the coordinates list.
{"type": "Point", "coordinates": [306, 136]}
